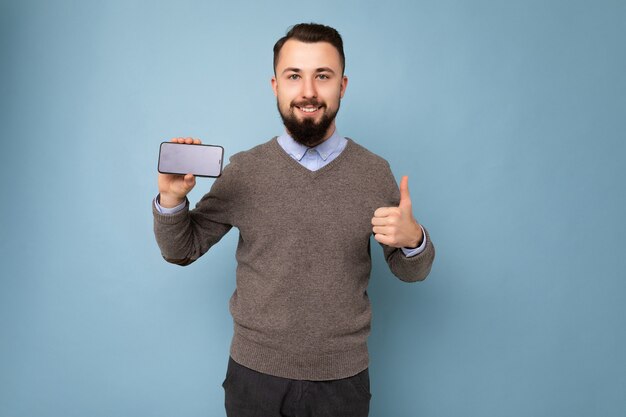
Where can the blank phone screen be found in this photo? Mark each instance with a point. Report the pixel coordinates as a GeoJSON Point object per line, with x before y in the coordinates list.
{"type": "Point", "coordinates": [200, 160]}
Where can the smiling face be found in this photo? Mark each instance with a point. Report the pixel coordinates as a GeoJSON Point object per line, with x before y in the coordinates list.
{"type": "Point", "coordinates": [309, 85]}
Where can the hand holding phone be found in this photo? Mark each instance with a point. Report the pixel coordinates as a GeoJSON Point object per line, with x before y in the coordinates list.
{"type": "Point", "coordinates": [180, 160]}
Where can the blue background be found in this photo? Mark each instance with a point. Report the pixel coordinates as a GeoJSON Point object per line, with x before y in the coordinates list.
{"type": "Point", "coordinates": [508, 118]}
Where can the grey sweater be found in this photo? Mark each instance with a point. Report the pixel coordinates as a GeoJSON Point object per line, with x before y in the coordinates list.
{"type": "Point", "coordinates": [300, 309]}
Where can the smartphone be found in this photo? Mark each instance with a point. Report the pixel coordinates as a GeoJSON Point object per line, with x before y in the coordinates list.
{"type": "Point", "coordinates": [199, 160]}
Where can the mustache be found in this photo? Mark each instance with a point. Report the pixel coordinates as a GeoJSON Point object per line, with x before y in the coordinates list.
{"type": "Point", "coordinates": [311, 102]}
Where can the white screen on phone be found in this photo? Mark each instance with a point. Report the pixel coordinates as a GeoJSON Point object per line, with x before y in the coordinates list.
{"type": "Point", "coordinates": [201, 160]}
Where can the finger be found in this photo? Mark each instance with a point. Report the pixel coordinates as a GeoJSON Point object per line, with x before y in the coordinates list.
{"type": "Point", "coordinates": [382, 230]}
{"type": "Point", "coordinates": [405, 198]}
{"type": "Point", "coordinates": [386, 211]}
{"type": "Point", "coordinates": [385, 221]}
{"type": "Point", "coordinates": [380, 221]}
{"type": "Point", "coordinates": [385, 240]}
{"type": "Point", "coordinates": [196, 141]}
{"type": "Point", "coordinates": [190, 181]}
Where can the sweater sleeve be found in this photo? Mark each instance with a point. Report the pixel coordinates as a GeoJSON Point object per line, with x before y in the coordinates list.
{"type": "Point", "coordinates": [408, 269]}
{"type": "Point", "coordinates": [414, 268]}
{"type": "Point", "coordinates": [186, 235]}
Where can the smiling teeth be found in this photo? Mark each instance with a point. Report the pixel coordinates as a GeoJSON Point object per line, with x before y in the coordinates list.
{"type": "Point", "coordinates": [308, 109]}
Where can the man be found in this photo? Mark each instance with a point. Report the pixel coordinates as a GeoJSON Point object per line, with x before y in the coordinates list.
{"type": "Point", "coordinates": [305, 204]}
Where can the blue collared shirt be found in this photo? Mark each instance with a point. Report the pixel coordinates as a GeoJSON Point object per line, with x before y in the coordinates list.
{"type": "Point", "coordinates": [313, 159]}
{"type": "Point", "coordinates": [316, 157]}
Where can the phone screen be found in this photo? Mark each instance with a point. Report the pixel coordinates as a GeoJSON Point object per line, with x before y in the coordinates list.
{"type": "Point", "coordinates": [182, 158]}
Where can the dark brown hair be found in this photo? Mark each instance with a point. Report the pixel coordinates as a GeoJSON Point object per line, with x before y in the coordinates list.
{"type": "Point", "coordinates": [311, 33]}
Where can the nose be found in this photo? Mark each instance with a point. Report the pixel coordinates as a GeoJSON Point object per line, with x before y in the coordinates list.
{"type": "Point", "coordinates": [308, 88]}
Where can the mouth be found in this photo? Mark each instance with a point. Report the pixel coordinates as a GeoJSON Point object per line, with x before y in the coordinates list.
{"type": "Point", "coordinates": [309, 110]}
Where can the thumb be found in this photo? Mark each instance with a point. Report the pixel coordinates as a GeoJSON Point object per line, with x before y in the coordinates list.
{"type": "Point", "coordinates": [190, 181]}
{"type": "Point", "coordinates": [405, 198]}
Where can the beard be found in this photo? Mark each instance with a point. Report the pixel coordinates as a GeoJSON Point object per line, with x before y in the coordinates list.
{"type": "Point", "coordinates": [306, 131]}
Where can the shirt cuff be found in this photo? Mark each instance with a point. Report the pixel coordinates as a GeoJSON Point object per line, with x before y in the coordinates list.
{"type": "Point", "coordinates": [408, 252]}
{"type": "Point", "coordinates": [165, 210]}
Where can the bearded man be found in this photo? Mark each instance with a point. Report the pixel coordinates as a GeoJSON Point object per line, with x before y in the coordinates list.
{"type": "Point", "coordinates": [306, 204]}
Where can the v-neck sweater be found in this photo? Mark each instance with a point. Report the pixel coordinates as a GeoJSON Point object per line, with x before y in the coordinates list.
{"type": "Point", "coordinates": [300, 308]}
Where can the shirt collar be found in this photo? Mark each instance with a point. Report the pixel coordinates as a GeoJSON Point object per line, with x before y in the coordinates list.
{"type": "Point", "coordinates": [297, 150]}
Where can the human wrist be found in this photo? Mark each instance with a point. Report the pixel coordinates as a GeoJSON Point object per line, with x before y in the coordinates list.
{"type": "Point", "coordinates": [169, 201]}
{"type": "Point", "coordinates": [419, 237]}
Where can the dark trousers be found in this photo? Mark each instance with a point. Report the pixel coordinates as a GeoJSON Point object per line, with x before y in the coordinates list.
{"type": "Point", "coordinates": [254, 394]}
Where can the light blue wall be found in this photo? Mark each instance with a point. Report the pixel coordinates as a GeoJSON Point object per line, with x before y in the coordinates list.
{"type": "Point", "coordinates": [508, 117]}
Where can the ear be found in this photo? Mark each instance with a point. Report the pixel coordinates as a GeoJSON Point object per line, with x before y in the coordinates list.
{"type": "Point", "coordinates": [344, 85]}
{"type": "Point", "coordinates": [275, 86]}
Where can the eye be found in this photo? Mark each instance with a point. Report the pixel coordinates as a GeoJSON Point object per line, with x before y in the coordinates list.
{"type": "Point", "coordinates": [323, 77]}
{"type": "Point", "coordinates": [293, 76]}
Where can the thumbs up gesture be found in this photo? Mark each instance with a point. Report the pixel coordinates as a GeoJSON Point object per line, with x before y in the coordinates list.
{"type": "Point", "coordinates": [396, 226]}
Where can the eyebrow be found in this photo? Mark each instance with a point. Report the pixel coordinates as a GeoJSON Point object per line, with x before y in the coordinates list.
{"type": "Point", "coordinates": [298, 70]}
